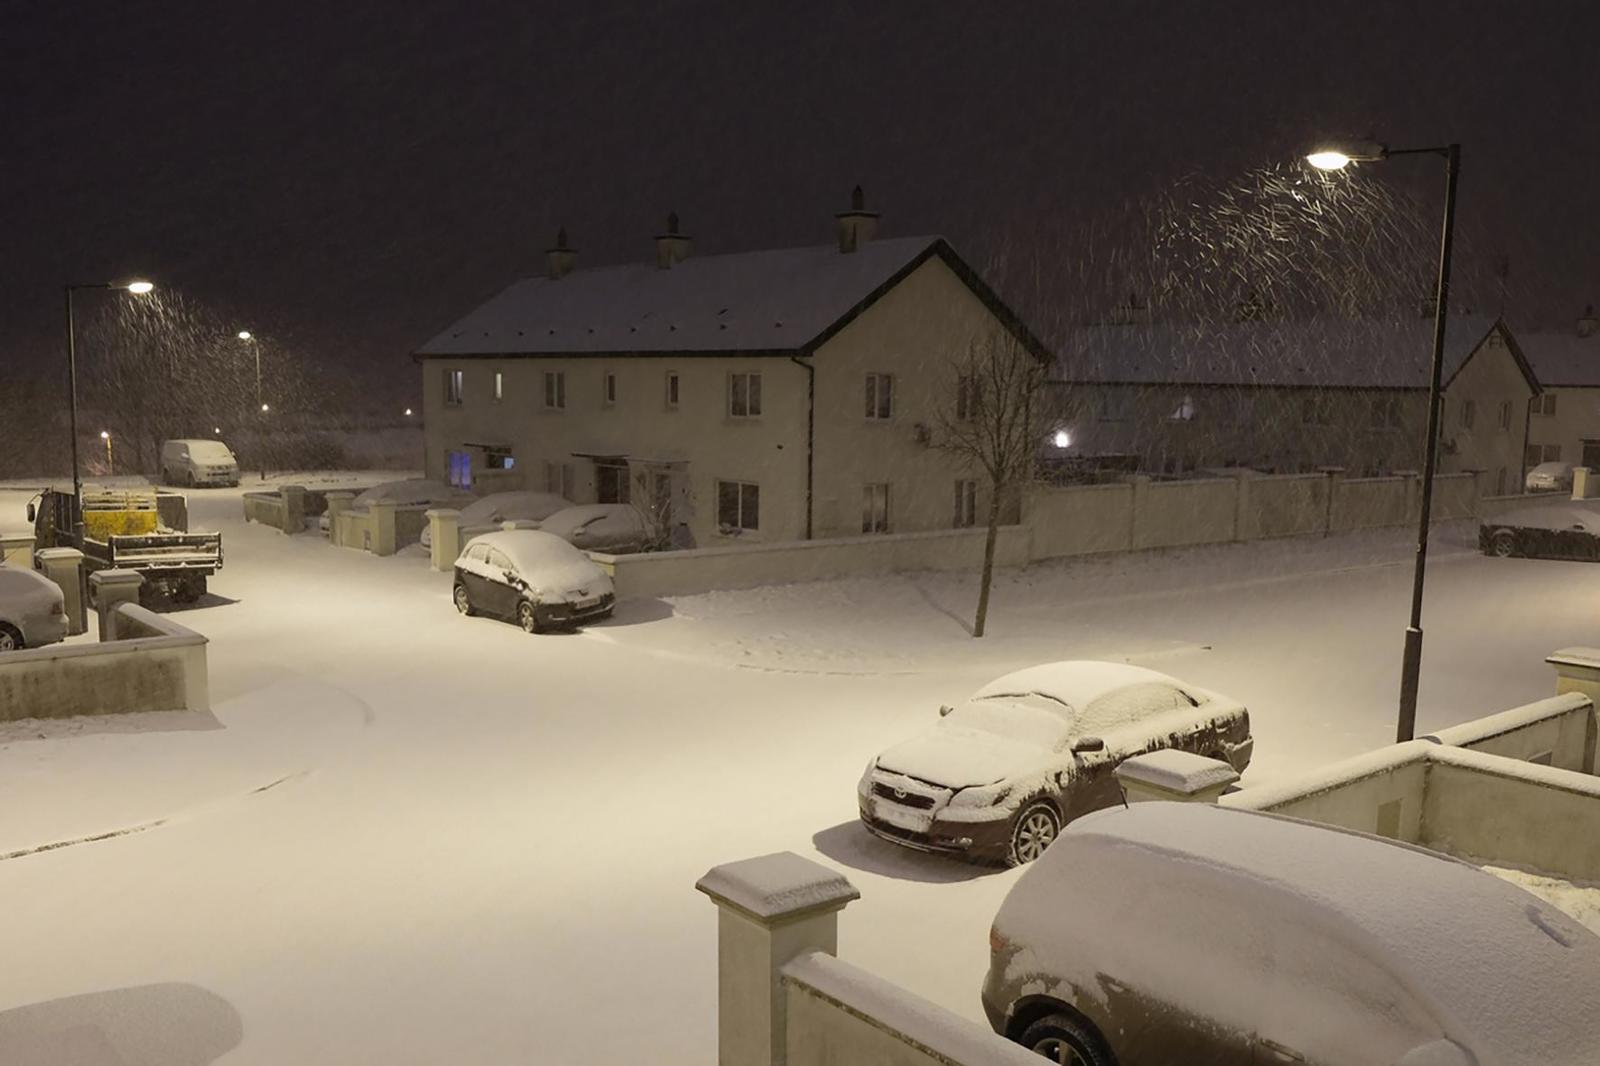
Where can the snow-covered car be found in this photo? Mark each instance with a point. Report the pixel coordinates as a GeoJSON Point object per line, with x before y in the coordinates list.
{"type": "Point", "coordinates": [485, 514]}
{"type": "Point", "coordinates": [198, 462]}
{"type": "Point", "coordinates": [409, 492]}
{"type": "Point", "coordinates": [1556, 531]}
{"type": "Point", "coordinates": [618, 528]}
{"type": "Point", "coordinates": [999, 775]}
{"type": "Point", "coordinates": [33, 610]}
{"type": "Point", "coordinates": [1178, 932]}
{"type": "Point", "coordinates": [1549, 477]}
{"type": "Point", "coordinates": [533, 578]}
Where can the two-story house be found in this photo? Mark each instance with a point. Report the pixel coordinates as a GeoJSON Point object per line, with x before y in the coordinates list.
{"type": "Point", "coordinates": [770, 395]}
{"type": "Point", "coordinates": [1564, 419]}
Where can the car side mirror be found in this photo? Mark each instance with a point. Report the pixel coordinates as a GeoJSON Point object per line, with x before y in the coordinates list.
{"type": "Point", "coordinates": [1087, 744]}
{"type": "Point", "coordinates": [945, 709]}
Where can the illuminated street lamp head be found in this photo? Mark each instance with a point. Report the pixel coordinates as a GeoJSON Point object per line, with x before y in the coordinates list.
{"type": "Point", "coordinates": [264, 407]}
{"type": "Point", "coordinates": [105, 434]}
{"type": "Point", "coordinates": [216, 429]}
{"type": "Point", "coordinates": [139, 288]}
{"type": "Point", "coordinates": [1339, 156]}
{"type": "Point", "coordinates": [244, 334]}
{"type": "Point", "coordinates": [408, 412]}
{"type": "Point", "coordinates": [1062, 438]}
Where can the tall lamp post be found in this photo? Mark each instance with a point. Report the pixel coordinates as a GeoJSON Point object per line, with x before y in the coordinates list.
{"type": "Point", "coordinates": [261, 408]}
{"type": "Point", "coordinates": [1337, 159]}
{"type": "Point", "coordinates": [111, 467]}
{"type": "Point", "coordinates": [138, 288]}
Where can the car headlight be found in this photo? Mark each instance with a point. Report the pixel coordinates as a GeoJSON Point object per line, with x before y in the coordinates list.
{"type": "Point", "coordinates": [980, 796]}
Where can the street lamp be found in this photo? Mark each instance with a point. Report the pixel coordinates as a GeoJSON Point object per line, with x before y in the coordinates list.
{"type": "Point", "coordinates": [1336, 158]}
{"type": "Point", "coordinates": [261, 428]}
{"type": "Point", "coordinates": [111, 468]}
{"type": "Point", "coordinates": [138, 288]}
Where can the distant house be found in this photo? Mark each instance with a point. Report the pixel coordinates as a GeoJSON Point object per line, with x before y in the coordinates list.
{"type": "Point", "coordinates": [1564, 420]}
{"type": "Point", "coordinates": [1295, 396]}
{"type": "Point", "coordinates": [770, 395]}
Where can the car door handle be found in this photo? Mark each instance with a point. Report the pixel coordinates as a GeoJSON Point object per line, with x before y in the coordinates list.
{"type": "Point", "coordinates": [1276, 1052]}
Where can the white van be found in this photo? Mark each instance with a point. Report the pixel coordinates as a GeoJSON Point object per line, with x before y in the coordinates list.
{"type": "Point", "coordinates": [198, 462]}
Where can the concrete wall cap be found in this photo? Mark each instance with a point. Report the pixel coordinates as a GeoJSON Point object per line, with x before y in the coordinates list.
{"type": "Point", "coordinates": [51, 554]}
{"type": "Point", "coordinates": [443, 512]}
{"type": "Point", "coordinates": [1589, 657]}
{"type": "Point", "coordinates": [340, 494]}
{"type": "Point", "coordinates": [102, 578]}
{"type": "Point", "coordinates": [777, 886]}
{"type": "Point", "coordinates": [1176, 771]}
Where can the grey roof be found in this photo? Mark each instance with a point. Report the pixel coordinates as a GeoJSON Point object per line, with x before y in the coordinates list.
{"type": "Point", "coordinates": [1308, 353]}
{"type": "Point", "coordinates": [781, 300]}
{"type": "Point", "coordinates": [1562, 358]}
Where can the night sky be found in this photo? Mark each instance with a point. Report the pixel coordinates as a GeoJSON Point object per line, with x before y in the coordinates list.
{"type": "Point", "coordinates": [349, 177]}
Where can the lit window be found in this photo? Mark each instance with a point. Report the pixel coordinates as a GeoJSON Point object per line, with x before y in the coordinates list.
{"type": "Point", "coordinates": [454, 387]}
{"type": "Point", "coordinates": [499, 386]}
{"type": "Point", "coordinates": [555, 389]}
{"type": "Point", "coordinates": [875, 508]}
{"type": "Point", "coordinates": [880, 396]}
{"type": "Point", "coordinates": [744, 395]}
{"type": "Point", "coordinates": [738, 506]}
{"type": "Point", "coordinates": [498, 459]}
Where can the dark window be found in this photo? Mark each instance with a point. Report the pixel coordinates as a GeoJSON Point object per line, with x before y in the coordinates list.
{"type": "Point", "coordinates": [1505, 414]}
{"type": "Point", "coordinates": [555, 389]}
{"type": "Point", "coordinates": [744, 395]}
{"type": "Point", "coordinates": [611, 388]}
{"type": "Point", "coordinates": [672, 388]}
{"type": "Point", "coordinates": [875, 508]}
{"type": "Point", "coordinates": [738, 506]}
{"type": "Point", "coordinates": [1469, 414]}
{"type": "Point", "coordinates": [610, 483]}
{"type": "Point", "coordinates": [966, 398]}
{"type": "Point", "coordinates": [1544, 404]}
{"type": "Point", "coordinates": [966, 503]}
{"type": "Point", "coordinates": [880, 396]}
{"type": "Point", "coordinates": [454, 387]}
{"type": "Point", "coordinates": [498, 459]}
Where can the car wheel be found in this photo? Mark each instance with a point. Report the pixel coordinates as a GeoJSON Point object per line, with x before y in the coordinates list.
{"type": "Point", "coordinates": [527, 618]}
{"type": "Point", "coordinates": [1503, 545]}
{"type": "Point", "coordinates": [1064, 1039]}
{"type": "Point", "coordinates": [464, 601]}
{"type": "Point", "coordinates": [1035, 830]}
{"type": "Point", "coordinates": [10, 639]}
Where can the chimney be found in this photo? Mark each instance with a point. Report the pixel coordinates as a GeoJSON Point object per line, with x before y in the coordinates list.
{"type": "Point", "coordinates": [561, 257]}
{"type": "Point", "coordinates": [857, 226]}
{"type": "Point", "coordinates": [672, 246]}
{"type": "Point", "coordinates": [1588, 325]}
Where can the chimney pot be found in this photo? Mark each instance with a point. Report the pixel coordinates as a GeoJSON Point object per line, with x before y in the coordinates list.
{"type": "Point", "coordinates": [672, 246]}
{"type": "Point", "coordinates": [856, 226]}
{"type": "Point", "coordinates": [561, 258]}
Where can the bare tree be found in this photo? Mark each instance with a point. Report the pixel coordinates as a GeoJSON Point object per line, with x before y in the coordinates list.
{"type": "Point", "coordinates": [996, 417]}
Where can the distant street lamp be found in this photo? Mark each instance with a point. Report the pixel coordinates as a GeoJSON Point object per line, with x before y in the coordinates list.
{"type": "Point", "coordinates": [111, 468]}
{"type": "Point", "coordinates": [261, 427]}
{"type": "Point", "coordinates": [1336, 158]}
{"type": "Point", "coordinates": [138, 288]}
{"type": "Point", "coordinates": [408, 412]}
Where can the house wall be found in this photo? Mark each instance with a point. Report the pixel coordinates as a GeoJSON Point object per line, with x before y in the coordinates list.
{"type": "Point", "coordinates": [769, 451]}
{"type": "Point", "coordinates": [1489, 380]}
{"type": "Point", "coordinates": [912, 333]}
{"type": "Point", "coordinates": [1576, 419]}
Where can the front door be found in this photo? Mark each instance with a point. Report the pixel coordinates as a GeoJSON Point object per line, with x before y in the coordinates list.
{"type": "Point", "coordinates": [610, 483]}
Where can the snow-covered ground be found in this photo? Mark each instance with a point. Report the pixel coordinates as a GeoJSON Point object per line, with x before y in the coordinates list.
{"type": "Point", "coordinates": [409, 837]}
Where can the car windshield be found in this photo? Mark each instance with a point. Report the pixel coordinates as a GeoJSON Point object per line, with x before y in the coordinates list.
{"type": "Point", "coordinates": [1028, 717]}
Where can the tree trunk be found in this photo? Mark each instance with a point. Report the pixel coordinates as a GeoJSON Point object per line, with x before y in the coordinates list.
{"type": "Point", "coordinates": [988, 562]}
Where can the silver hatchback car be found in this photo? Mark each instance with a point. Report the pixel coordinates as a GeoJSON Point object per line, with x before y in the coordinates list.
{"type": "Point", "coordinates": [32, 610]}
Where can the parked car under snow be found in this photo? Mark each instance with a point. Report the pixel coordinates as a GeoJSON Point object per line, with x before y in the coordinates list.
{"type": "Point", "coordinates": [618, 528]}
{"type": "Point", "coordinates": [408, 492]}
{"type": "Point", "coordinates": [999, 775]}
{"type": "Point", "coordinates": [32, 609]}
{"type": "Point", "coordinates": [1549, 531]}
{"type": "Point", "coordinates": [1549, 477]}
{"type": "Point", "coordinates": [485, 514]}
{"type": "Point", "coordinates": [533, 578]}
{"type": "Point", "coordinates": [1187, 933]}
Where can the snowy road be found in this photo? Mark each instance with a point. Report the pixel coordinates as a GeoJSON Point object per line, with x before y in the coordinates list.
{"type": "Point", "coordinates": [419, 838]}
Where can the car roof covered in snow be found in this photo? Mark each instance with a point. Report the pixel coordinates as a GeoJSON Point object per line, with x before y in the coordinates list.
{"type": "Point", "coordinates": [1483, 956]}
{"type": "Point", "coordinates": [516, 504]}
{"type": "Point", "coordinates": [407, 490]}
{"type": "Point", "coordinates": [529, 549]}
{"type": "Point", "coordinates": [779, 301]}
{"type": "Point", "coordinates": [1549, 516]}
{"type": "Point", "coordinates": [1075, 682]}
{"type": "Point", "coordinates": [571, 518]}
{"type": "Point", "coordinates": [1328, 353]}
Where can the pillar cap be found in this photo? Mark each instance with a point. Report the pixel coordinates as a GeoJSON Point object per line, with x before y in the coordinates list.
{"type": "Point", "coordinates": [115, 576]}
{"type": "Point", "coordinates": [1589, 657]}
{"type": "Point", "coordinates": [62, 554]}
{"type": "Point", "coordinates": [779, 886]}
{"type": "Point", "coordinates": [1181, 772]}
{"type": "Point", "coordinates": [343, 494]}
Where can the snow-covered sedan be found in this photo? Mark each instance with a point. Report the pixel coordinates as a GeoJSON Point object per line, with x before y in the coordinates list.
{"type": "Point", "coordinates": [1189, 933]}
{"type": "Point", "coordinates": [408, 492]}
{"type": "Point", "coordinates": [618, 528]}
{"type": "Point", "coordinates": [999, 775]}
{"type": "Point", "coordinates": [533, 578]}
{"type": "Point", "coordinates": [1552, 531]}
{"type": "Point", "coordinates": [32, 609]}
{"type": "Point", "coordinates": [486, 513]}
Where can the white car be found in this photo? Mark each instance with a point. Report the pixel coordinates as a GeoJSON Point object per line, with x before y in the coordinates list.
{"type": "Point", "coordinates": [485, 514]}
{"type": "Point", "coordinates": [533, 578]}
{"type": "Point", "coordinates": [409, 492]}
{"type": "Point", "coordinates": [198, 462]}
{"type": "Point", "coordinates": [618, 528]}
{"type": "Point", "coordinates": [996, 777]}
{"type": "Point", "coordinates": [1187, 933]}
{"type": "Point", "coordinates": [1549, 477]}
{"type": "Point", "coordinates": [33, 610]}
